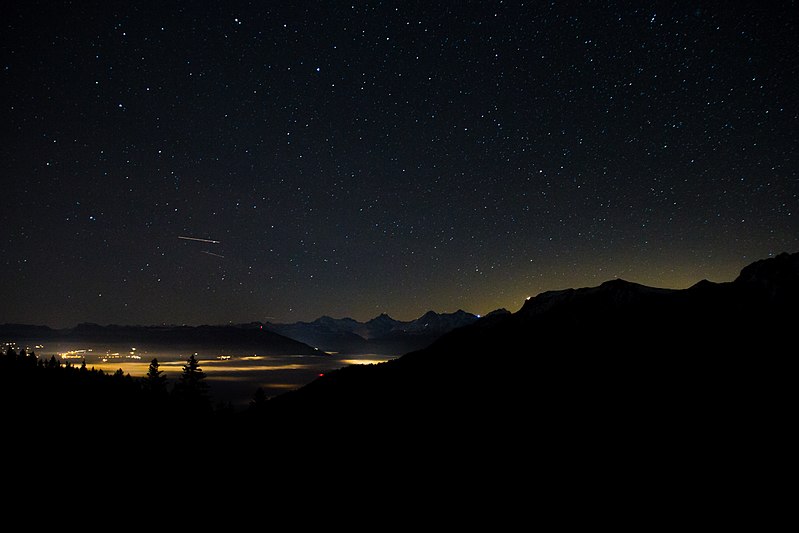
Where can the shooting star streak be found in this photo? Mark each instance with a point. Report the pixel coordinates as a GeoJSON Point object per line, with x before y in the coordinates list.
{"type": "Point", "coordinates": [212, 253]}
{"type": "Point", "coordinates": [198, 240]}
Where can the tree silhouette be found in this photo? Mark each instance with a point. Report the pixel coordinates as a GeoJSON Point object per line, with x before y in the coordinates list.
{"type": "Point", "coordinates": [31, 360]}
{"type": "Point", "coordinates": [191, 390]}
{"type": "Point", "coordinates": [155, 381]}
{"type": "Point", "coordinates": [258, 400]}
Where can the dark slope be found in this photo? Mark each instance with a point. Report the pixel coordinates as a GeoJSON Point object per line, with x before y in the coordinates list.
{"type": "Point", "coordinates": [603, 359]}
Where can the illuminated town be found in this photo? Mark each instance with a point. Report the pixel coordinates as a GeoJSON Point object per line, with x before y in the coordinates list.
{"type": "Point", "coordinates": [108, 356]}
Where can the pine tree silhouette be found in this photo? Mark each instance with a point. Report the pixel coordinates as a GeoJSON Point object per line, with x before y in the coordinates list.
{"type": "Point", "coordinates": [191, 391]}
{"type": "Point", "coordinates": [259, 400]}
{"type": "Point", "coordinates": [155, 381]}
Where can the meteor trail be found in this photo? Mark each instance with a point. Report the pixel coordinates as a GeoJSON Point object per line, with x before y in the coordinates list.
{"type": "Point", "coordinates": [212, 253]}
{"type": "Point", "coordinates": [198, 240]}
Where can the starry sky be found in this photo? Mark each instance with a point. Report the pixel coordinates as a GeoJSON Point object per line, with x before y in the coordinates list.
{"type": "Point", "coordinates": [355, 158]}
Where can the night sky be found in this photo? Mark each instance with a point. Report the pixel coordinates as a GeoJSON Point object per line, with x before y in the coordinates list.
{"type": "Point", "coordinates": [368, 157]}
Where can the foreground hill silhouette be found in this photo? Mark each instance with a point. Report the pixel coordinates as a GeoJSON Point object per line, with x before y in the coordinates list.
{"type": "Point", "coordinates": [619, 360]}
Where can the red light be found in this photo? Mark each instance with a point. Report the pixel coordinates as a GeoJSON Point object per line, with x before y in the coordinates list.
{"type": "Point", "coordinates": [261, 327]}
{"type": "Point", "coordinates": [320, 375]}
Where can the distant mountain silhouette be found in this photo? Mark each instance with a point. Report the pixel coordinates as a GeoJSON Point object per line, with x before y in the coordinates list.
{"type": "Point", "coordinates": [588, 371]}
{"type": "Point", "coordinates": [379, 326]}
{"type": "Point", "coordinates": [381, 334]}
{"type": "Point", "coordinates": [14, 332]}
{"type": "Point", "coordinates": [222, 339]}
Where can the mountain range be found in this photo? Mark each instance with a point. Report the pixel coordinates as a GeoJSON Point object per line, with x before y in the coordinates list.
{"type": "Point", "coordinates": [588, 371]}
{"type": "Point", "coordinates": [621, 394]}
{"type": "Point", "coordinates": [381, 334]}
{"type": "Point", "coordinates": [220, 339]}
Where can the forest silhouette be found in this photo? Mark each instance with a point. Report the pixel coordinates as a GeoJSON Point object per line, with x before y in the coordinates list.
{"type": "Point", "coordinates": [52, 397]}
